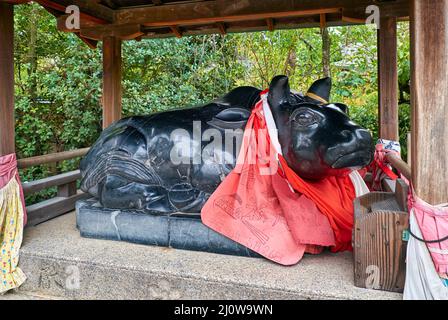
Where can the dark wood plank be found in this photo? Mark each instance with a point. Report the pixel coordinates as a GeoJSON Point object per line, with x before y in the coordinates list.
{"type": "Point", "coordinates": [52, 208]}
{"type": "Point", "coordinates": [111, 80]}
{"type": "Point", "coordinates": [93, 9]}
{"type": "Point", "coordinates": [270, 24]}
{"type": "Point", "coordinates": [68, 189]}
{"type": "Point", "coordinates": [221, 10]}
{"type": "Point", "coordinates": [388, 185]}
{"type": "Point", "coordinates": [176, 31]}
{"type": "Point", "coordinates": [7, 125]}
{"type": "Point", "coordinates": [191, 17]}
{"type": "Point", "coordinates": [246, 26]}
{"type": "Point", "coordinates": [85, 11]}
{"type": "Point", "coordinates": [222, 28]}
{"type": "Point", "coordinates": [231, 10]}
{"type": "Point", "coordinates": [388, 79]}
{"type": "Point", "coordinates": [41, 184]}
{"type": "Point", "coordinates": [429, 99]}
{"type": "Point", "coordinates": [127, 32]}
{"type": "Point", "coordinates": [401, 194]}
{"type": "Point", "coordinates": [396, 8]}
{"type": "Point", "coordinates": [16, 1]}
{"type": "Point", "coordinates": [196, 13]}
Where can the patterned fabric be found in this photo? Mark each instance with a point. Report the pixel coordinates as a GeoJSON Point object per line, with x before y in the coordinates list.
{"type": "Point", "coordinates": [422, 280]}
{"type": "Point", "coordinates": [390, 145]}
{"type": "Point", "coordinates": [433, 224]}
{"type": "Point", "coordinates": [8, 171]}
{"type": "Point", "coordinates": [265, 206]}
{"type": "Point", "coordinates": [12, 219]}
{"type": "Point", "coordinates": [380, 167]}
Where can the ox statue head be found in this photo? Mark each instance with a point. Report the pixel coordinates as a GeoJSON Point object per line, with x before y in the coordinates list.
{"type": "Point", "coordinates": [318, 138]}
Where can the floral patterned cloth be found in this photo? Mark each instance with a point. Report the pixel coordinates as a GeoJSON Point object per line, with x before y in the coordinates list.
{"type": "Point", "coordinates": [12, 220]}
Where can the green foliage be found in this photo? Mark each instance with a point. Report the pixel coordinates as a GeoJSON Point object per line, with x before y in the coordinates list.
{"type": "Point", "coordinates": [158, 78]}
{"type": "Point", "coordinates": [58, 78]}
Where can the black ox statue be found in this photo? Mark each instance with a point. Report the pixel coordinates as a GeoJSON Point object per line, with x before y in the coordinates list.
{"type": "Point", "coordinates": [131, 165]}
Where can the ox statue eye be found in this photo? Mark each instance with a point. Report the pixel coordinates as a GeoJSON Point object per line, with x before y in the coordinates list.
{"type": "Point", "coordinates": [304, 117]}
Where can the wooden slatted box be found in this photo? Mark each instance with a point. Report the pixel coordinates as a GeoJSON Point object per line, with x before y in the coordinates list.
{"type": "Point", "coordinates": [378, 247]}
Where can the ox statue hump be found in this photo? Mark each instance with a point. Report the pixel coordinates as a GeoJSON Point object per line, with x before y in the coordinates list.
{"type": "Point", "coordinates": [171, 162]}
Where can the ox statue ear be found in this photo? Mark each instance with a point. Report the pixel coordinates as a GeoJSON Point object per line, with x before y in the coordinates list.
{"type": "Point", "coordinates": [343, 107]}
{"type": "Point", "coordinates": [320, 90]}
{"type": "Point", "coordinates": [279, 91]}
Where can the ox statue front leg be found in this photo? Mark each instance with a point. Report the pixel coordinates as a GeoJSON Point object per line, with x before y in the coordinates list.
{"type": "Point", "coordinates": [120, 193]}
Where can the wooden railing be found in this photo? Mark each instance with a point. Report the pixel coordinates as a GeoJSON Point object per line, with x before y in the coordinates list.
{"type": "Point", "coordinates": [66, 183]}
{"type": "Point", "coordinates": [400, 165]}
{"type": "Point", "coordinates": [51, 158]}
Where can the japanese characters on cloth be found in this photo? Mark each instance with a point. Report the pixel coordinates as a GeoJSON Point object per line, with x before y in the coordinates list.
{"type": "Point", "coordinates": [427, 253]}
{"type": "Point", "coordinates": [12, 220]}
{"type": "Point", "coordinates": [263, 205]}
{"type": "Point", "coordinates": [380, 167]}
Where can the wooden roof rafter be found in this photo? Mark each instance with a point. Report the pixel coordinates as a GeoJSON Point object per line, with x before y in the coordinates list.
{"type": "Point", "coordinates": [136, 19]}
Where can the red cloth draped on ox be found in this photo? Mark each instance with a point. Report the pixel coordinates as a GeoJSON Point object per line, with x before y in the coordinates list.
{"type": "Point", "coordinates": [264, 205]}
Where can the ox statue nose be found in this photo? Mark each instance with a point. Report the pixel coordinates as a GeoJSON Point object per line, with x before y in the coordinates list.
{"type": "Point", "coordinates": [363, 134]}
{"type": "Point", "coordinates": [364, 138]}
{"type": "Point", "coordinates": [355, 152]}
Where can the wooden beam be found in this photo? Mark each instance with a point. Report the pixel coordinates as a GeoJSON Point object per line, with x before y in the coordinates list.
{"type": "Point", "coordinates": [388, 79]}
{"type": "Point", "coordinates": [220, 10]}
{"type": "Point", "coordinates": [270, 23]}
{"type": "Point", "coordinates": [111, 80]}
{"type": "Point", "coordinates": [126, 32]}
{"type": "Point", "coordinates": [16, 1]}
{"type": "Point", "coordinates": [356, 12]}
{"type": "Point", "coordinates": [93, 8]}
{"type": "Point", "coordinates": [7, 141]}
{"type": "Point", "coordinates": [53, 181]}
{"type": "Point", "coordinates": [353, 20]}
{"type": "Point", "coordinates": [52, 208]}
{"type": "Point", "coordinates": [429, 99]}
{"type": "Point", "coordinates": [175, 30]}
{"type": "Point", "coordinates": [192, 16]}
{"type": "Point", "coordinates": [108, 3]}
{"type": "Point", "coordinates": [222, 28]}
{"type": "Point", "coordinates": [68, 189]}
{"type": "Point", "coordinates": [323, 21]}
{"type": "Point", "coordinates": [61, 6]}
{"type": "Point", "coordinates": [51, 158]}
{"type": "Point", "coordinates": [246, 26]}
{"type": "Point", "coordinates": [92, 44]}
{"type": "Point", "coordinates": [62, 19]}
{"type": "Point", "coordinates": [400, 165]}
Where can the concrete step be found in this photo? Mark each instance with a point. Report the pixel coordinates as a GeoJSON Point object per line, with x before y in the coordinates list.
{"type": "Point", "coordinates": [59, 263]}
{"type": "Point", "coordinates": [15, 295]}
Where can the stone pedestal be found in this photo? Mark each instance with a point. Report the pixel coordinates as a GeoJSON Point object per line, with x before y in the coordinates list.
{"type": "Point", "coordinates": [180, 232]}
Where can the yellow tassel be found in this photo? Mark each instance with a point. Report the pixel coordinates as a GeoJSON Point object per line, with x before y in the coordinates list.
{"type": "Point", "coordinates": [11, 233]}
{"type": "Point", "coordinates": [316, 97]}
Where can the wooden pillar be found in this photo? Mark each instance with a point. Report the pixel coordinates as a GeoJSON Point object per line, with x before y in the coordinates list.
{"type": "Point", "coordinates": [388, 79]}
{"type": "Point", "coordinates": [111, 80]}
{"type": "Point", "coordinates": [7, 141]}
{"type": "Point", "coordinates": [429, 99]}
